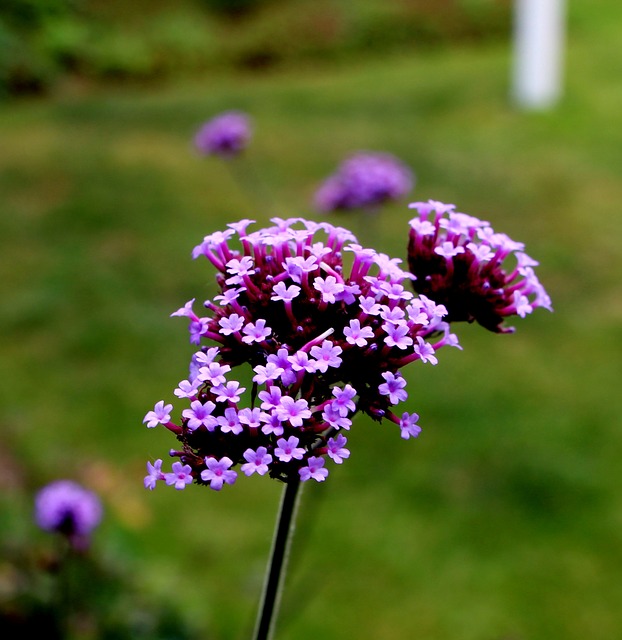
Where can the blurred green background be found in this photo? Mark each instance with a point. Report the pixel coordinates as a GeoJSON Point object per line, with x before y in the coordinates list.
{"type": "Point", "coordinates": [503, 520]}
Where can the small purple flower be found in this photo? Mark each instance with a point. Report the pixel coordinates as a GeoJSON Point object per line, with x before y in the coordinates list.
{"type": "Point", "coordinates": [344, 399]}
{"type": "Point", "coordinates": [268, 373]}
{"type": "Point", "coordinates": [214, 372]}
{"type": "Point", "coordinates": [297, 267]}
{"type": "Point", "coordinates": [204, 358]}
{"type": "Point", "coordinates": [281, 360]}
{"type": "Point", "coordinates": [238, 269]}
{"type": "Point", "coordinates": [357, 335]}
{"type": "Point", "coordinates": [293, 411]}
{"type": "Point", "coordinates": [256, 332]}
{"type": "Point", "coordinates": [425, 351]}
{"type": "Point", "coordinates": [256, 461]}
{"type": "Point", "coordinates": [230, 422]}
{"type": "Point", "coordinates": [448, 250]}
{"type": "Point", "coordinates": [218, 473]}
{"type": "Point", "coordinates": [408, 425]}
{"type": "Point", "coordinates": [200, 415]}
{"type": "Point", "coordinates": [393, 387]}
{"type": "Point", "coordinates": [229, 392]}
{"type": "Point", "coordinates": [326, 355]}
{"type": "Point", "coordinates": [272, 424]}
{"type": "Point", "coordinates": [154, 473]}
{"type": "Point", "coordinates": [369, 306]}
{"type": "Point", "coordinates": [521, 304]}
{"type": "Point", "coordinates": [398, 335]}
{"type": "Point", "coordinates": [232, 324]}
{"type": "Point", "coordinates": [271, 398]}
{"type": "Point", "coordinates": [365, 180]}
{"type": "Point", "coordinates": [250, 417]}
{"type": "Point", "coordinates": [333, 416]}
{"type": "Point", "coordinates": [187, 389]}
{"type": "Point", "coordinates": [229, 296]}
{"type": "Point", "coordinates": [287, 450]}
{"type": "Point", "coordinates": [336, 448]}
{"type": "Point", "coordinates": [395, 290]}
{"type": "Point", "coordinates": [314, 469]}
{"type": "Point", "coordinates": [348, 294]}
{"type": "Point", "coordinates": [197, 328]}
{"type": "Point", "coordinates": [159, 415]}
{"type": "Point", "coordinates": [394, 316]}
{"type": "Point", "coordinates": [300, 361]}
{"type": "Point", "coordinates": [282, 292]}
{"type": "Point", "coordinates": [66, 507]}
{"type": "Point", "coordinates": [186, 310]}
{"type": "Point", "coordinates": [180, 476]}
{"type": "Point", "coordinates": [226, 135]}
{"type": "Point", "coordinates": [328, 287]}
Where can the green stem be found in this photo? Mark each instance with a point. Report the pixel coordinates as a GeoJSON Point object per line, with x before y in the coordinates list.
{"type": "Point", "coordinates": [252, 187]}
{"type": "Point", "coordinates": [281, 543]}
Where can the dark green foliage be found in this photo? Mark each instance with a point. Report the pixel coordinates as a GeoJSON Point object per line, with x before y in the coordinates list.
{"type": "Point", "coordinates": [235, 8]}
{"type": "Point", "coordinates": [28, 15]}
{"type": "Point", "coordinates": [62, 596]}
{"type": "Point", "coordinates": [43, 42]}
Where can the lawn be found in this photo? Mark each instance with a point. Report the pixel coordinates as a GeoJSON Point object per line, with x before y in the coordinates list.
{"type": "Point", "coordinates": [503, 520]}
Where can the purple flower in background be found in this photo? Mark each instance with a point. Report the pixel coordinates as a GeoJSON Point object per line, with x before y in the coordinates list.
{"type": "Point", "coordinates": [363, 181]}
{"type": "Point", "coordinates": [65, 507]}
{"type": "Point", "coordinates": [307, 342]}
{"type": "Point", "coordinates": [476, 274]}
{"type": "Point", "coordinates": [225, 135]}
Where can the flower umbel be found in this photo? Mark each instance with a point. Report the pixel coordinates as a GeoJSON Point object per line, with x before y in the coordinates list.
{"type": "Point", "coordinates": [459, 262]}
{"type": "Point", "coordinates": [226, 135]}
{"type": "Point", "coordinates": [65, 507]}
{"type": "Point", "coordinates": [365, 180]}
{"type": "Point", "coordinates": [308, 328]}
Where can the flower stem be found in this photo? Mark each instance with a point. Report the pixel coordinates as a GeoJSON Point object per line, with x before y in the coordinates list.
{"type": "Point", "coordinates": [250, 185]}
{"type": "Point", "coordinates": [281, 543]}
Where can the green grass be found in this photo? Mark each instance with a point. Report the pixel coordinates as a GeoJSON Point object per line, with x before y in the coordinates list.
{"type": "Point", "coordinates": [503, 520]}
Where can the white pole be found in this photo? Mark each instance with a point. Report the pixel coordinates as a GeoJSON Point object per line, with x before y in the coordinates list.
{"type": "Point", "coordinates": [538, 52]}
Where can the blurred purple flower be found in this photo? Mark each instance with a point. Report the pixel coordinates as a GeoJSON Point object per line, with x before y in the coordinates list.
{"type": "Point", "coordinates": [461, 264]}
{"type": "Point", "coordinates": [65, 507]}
{"type": "Point", "coordinates": [324, 338]}
{"type": "Point", "coordinates": [364, 181]}
{"type": "Point", "coordinates": [225, 135]}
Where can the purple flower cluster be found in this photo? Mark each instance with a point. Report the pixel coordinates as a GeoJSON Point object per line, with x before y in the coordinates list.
{"type": "Point", "coordinates": [476, 274]}
{"type": "Point", "coordinates": [68, 508]}
{"type": "Point", "coordinates": [307, 329]}
{"type": "Point", "coordinates": [364, 180]}
{"type": "Point", "coordinates": [226, 135]}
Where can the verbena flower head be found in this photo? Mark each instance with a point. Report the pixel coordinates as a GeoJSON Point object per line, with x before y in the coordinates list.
{"type": "Point", "coordinates": [65, 507]}
{"type": "Point", "coordinates": [476, 274]}
{"type": "Point", "coordinates": [307, 329]}
{"type": "Point", "coordinates": [365, 180]}
{"type": "Point", "coordinates": [226, 135]}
